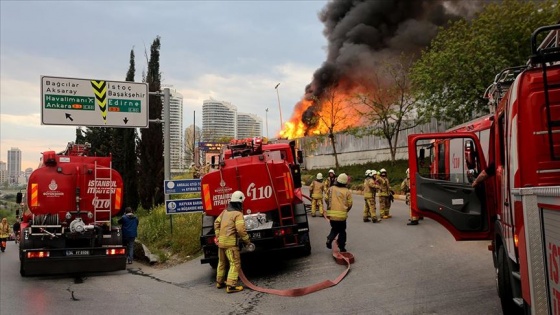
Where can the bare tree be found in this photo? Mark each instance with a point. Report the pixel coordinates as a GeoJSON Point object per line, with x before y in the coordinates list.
{"type": "Point", "coordinates": [390, 106]}
{"type": "Point", "coordinates": [335, 115]}
{"type": "Point", "coordinates": [193, 135]}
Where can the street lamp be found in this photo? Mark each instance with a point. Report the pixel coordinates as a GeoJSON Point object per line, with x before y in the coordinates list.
{"type": "Point", "coordinates": [279, 107]}
{"type": "Point", "coordinates": [266, 110]}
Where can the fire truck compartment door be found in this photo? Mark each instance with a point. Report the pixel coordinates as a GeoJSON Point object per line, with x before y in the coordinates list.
{"type": "Point", "coordinates": [441, 180]}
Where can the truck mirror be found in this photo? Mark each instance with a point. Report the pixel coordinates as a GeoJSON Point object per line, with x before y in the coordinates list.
{"type": "Point", "coordinates": [299, 156]}
{"type": "Point", "coordinates": [470, 154]}
{"type": "Point", "coordinates": [19, 197]}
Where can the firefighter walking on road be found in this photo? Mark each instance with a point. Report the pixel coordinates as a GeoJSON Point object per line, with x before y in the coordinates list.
{"type": "Point", "coordinates": [4, 233]}
{"type": "Point", "coordinates": [229, 226]}
{"type": "Point", "coordinates": [405, 187]}
{"type": "Point", "coordinates": [370, 188]}
{"type": "Point", "coordinates": [384, 194]}
{"type": "Point", "coordinates": [340, 201]}
{"type": "Point", "coordinates": [329, 182]}
{"type": "Point", "coordinates": [316, 193]}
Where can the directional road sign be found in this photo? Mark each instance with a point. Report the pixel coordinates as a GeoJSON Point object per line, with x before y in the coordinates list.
{"type": "Point", "coordinates": [183, 206]}
{"type": "Point", "coordinates": [181, 186]}
{"type": "Point", "coordinates": [100, 103]}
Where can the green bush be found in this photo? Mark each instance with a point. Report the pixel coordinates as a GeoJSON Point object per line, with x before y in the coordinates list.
{"type": "Point", "coordinates": [155, 232]}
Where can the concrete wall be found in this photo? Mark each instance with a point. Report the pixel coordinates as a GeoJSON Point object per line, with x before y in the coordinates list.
{"type": "Point", "coordinates": [318, 151]}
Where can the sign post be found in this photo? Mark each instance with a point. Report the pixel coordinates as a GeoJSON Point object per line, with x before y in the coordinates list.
{"type": "Point", "coordinates": [99, 103]}
{"type": "Point", "coordinates": [182, 205]}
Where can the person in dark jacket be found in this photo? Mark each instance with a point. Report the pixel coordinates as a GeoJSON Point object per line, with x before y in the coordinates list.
{"type": "Point", "coordinates": [129, 224]}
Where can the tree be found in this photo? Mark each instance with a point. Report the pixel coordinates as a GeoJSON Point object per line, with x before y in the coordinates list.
{"type": "Point", "coordinates": [390, 108]}
{"type": "Point", "coordinates": [124, 152]}
{"type": "Point", "coordinates": [193, 136]}
{"type": "Point", "coordinates": [334, 116]}
{"type": "Point", "coordinates": [150, 147]}
{"type": "Point", "coordinates": [100, 138]}
{"type": "Point", "coordinates": [462, 61]}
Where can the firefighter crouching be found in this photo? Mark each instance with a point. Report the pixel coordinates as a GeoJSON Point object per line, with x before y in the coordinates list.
{"type": "Point", "coordinates": [405, 186]}
{"type": "Point", "coordinates": [370, 188]}
{"type": "Point", "coordinates": [228, 227]}
{"type": "Point", "coordinates": [384, 194]}
{"type": "Point", "coordinates": [340, 201]}
{"type": "Point", "coordinates": [316, 192]}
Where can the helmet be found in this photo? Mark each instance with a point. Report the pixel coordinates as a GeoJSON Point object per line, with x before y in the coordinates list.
{"type": "Point", "coordinates": [319, 176]}
{"type": "Point", "coordinates": [342, 178]}
{"type": "Point", "coordinates": [407, 171]}
{"type": "Point", "coordinates": [331, 171]}
{"type": "Point", "coordinates": [237, 196]}
{"type": "Point", "coordinates": [382, 171]}
{"type": "Point", "coordinates": [373, 172]}
{"type": "Point", "coordinates": [369, 173]}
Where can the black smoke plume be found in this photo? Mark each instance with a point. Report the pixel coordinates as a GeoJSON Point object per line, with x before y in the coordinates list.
{"type": "Point", "coordinates": [362, 33]}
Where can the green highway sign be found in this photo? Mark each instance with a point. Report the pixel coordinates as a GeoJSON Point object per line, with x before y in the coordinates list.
{"type": "Point", "coordinates": [99, 103]}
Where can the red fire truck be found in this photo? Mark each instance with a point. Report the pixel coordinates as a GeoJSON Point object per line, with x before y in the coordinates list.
{"type": "Point", "coordinates": [71, 199]}
{"type": "Point", "coordinates": [518, 208]}
{"type": "Point", "coordinates": [269, 175]}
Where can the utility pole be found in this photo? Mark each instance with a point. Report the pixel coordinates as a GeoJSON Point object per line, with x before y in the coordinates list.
{"type": "Point", "coordinates": [279, 107]}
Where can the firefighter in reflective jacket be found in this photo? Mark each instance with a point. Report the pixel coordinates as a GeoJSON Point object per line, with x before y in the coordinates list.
{"type": "Point", "coordinates": [340, 201]}
{"type": "Point", "coordinates": [228, 227]}
{"type": "Point", "coordinates": [329, 181]}
{"type": "Point", "coordinates": [316, 192]}
{"type": "Point", "coordinates": [384, 194]}
{"type": "Point", "coordinates": [370, 188]}
{"type": "Point", "coordinates": [405, 186]}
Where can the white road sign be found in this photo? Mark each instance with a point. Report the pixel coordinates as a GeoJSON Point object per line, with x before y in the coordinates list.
{"type": "Point", "coordinates": [100, 103]}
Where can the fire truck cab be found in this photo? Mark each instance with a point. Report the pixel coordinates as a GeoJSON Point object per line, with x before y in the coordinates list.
{"type": "Point", "coordinates": [518, 208]}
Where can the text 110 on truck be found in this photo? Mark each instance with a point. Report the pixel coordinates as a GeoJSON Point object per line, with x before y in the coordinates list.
{"type": "Point", "coordinates": [71, 199]}
{"type": "Point", "coordinates": [269, 176]}
{"type": "Point", "coordinates": [517, 209]}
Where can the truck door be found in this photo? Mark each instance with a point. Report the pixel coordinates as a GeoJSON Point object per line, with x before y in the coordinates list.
{"type": "Point", "coordinates": [450, 198]}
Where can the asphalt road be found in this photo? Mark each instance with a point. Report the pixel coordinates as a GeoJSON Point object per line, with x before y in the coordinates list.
{"type": "Point", "coordinates": [399, 269]}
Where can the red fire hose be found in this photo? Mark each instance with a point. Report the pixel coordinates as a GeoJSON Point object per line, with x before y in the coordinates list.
{"type": "Point", "coordinates": [340, 258]}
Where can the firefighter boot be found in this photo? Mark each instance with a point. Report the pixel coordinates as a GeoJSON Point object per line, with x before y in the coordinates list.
{"type": "Point", "coordinates": [220, 285]}
{"type": "Point", "coordinates": [375, 220]}
{"type": "Point", "coordinates": [329, 243]}
{"type": "Point", "coordinates": [233, 289]}
{"type": "Point", "coordinates": [366, 219]}
{"type": "Point", "coordinates": [412, 222]}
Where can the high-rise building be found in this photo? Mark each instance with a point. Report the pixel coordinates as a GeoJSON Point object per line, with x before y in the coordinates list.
{"type": "Point", "coordinates": [3, 173]}
{"type": "Point", "coordinates": [14, 165]}
{"type": "Point", "coordinates": [219, 120]}
{"type": "Point", "coordinates": [248, 125]}
{"type": "Point", "coordinates": [177, 155]}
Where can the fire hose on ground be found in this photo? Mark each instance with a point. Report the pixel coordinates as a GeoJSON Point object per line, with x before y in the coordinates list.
{"type": "Point", "coordinates": [345, 258]}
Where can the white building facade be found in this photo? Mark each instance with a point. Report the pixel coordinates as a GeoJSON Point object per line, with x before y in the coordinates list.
{"type": "Point", "coordinates": [219, 120]}
{"type": "Point", "coordinates": [14, 166]}
{"type": "Point", "coordinates": [176, 141]}
{"type": "Point", "coordinates": [248, 126]}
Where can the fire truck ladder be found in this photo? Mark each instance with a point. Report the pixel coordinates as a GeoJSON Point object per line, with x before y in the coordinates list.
{"type": "Point", "coordinates": [285, 210]}
{"type": "Point", "coordinates": [98, 212]}
{"type": "Point", "coordinates": [548, 52]}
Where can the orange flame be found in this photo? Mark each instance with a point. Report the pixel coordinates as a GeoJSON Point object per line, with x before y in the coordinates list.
{"type": "Point", "coordinates": [341, 112]}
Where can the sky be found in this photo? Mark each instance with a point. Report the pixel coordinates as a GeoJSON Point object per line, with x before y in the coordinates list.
{"type": "Point", "coordinates": [234, 51]}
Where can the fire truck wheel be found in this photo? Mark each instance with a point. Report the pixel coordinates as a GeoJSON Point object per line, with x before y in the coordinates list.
{"type": "Point", "coordinates": [505, 290]}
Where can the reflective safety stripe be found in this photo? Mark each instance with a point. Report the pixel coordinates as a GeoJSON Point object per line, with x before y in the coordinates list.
{"type": "Point", "coordinates": [290, 187]}
{"type": "Point", "coordinates": [227, 241]}
{"type": "Point", "coordinates": [206, 196]}
{"type": "Point", "coordinates": [368, 195]}
{"type": "Point", "coordinates": [34, 195]}
{"type": "Point", "coordinates": [118, 198]}
{"type": "Point", "coordinates": [337, 214]}
{"type": "Point", "coordinates": [286, 186]}
{"type": "Point", "coordinates": [317, 196]}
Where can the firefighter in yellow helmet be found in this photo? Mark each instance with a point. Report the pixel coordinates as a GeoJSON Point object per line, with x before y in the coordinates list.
{"type": "Point", "coordinates": [384, 194]}
{"type": "Point", "coordinates": [228, 227]}
{"type": "Point", "coordinates": [340, 201]}
{"type": "Point", "coordinates": [316, 194]}
{"type": "Point", "coordinates": [370, 188]}
{"type": "Point", "coordinates": [329, 181]}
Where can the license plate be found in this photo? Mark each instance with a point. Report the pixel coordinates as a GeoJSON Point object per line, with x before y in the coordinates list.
{"type": "Point", "coordinates": [77, 252]}
{"type": "Point", "coordinates": [256, 235]}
